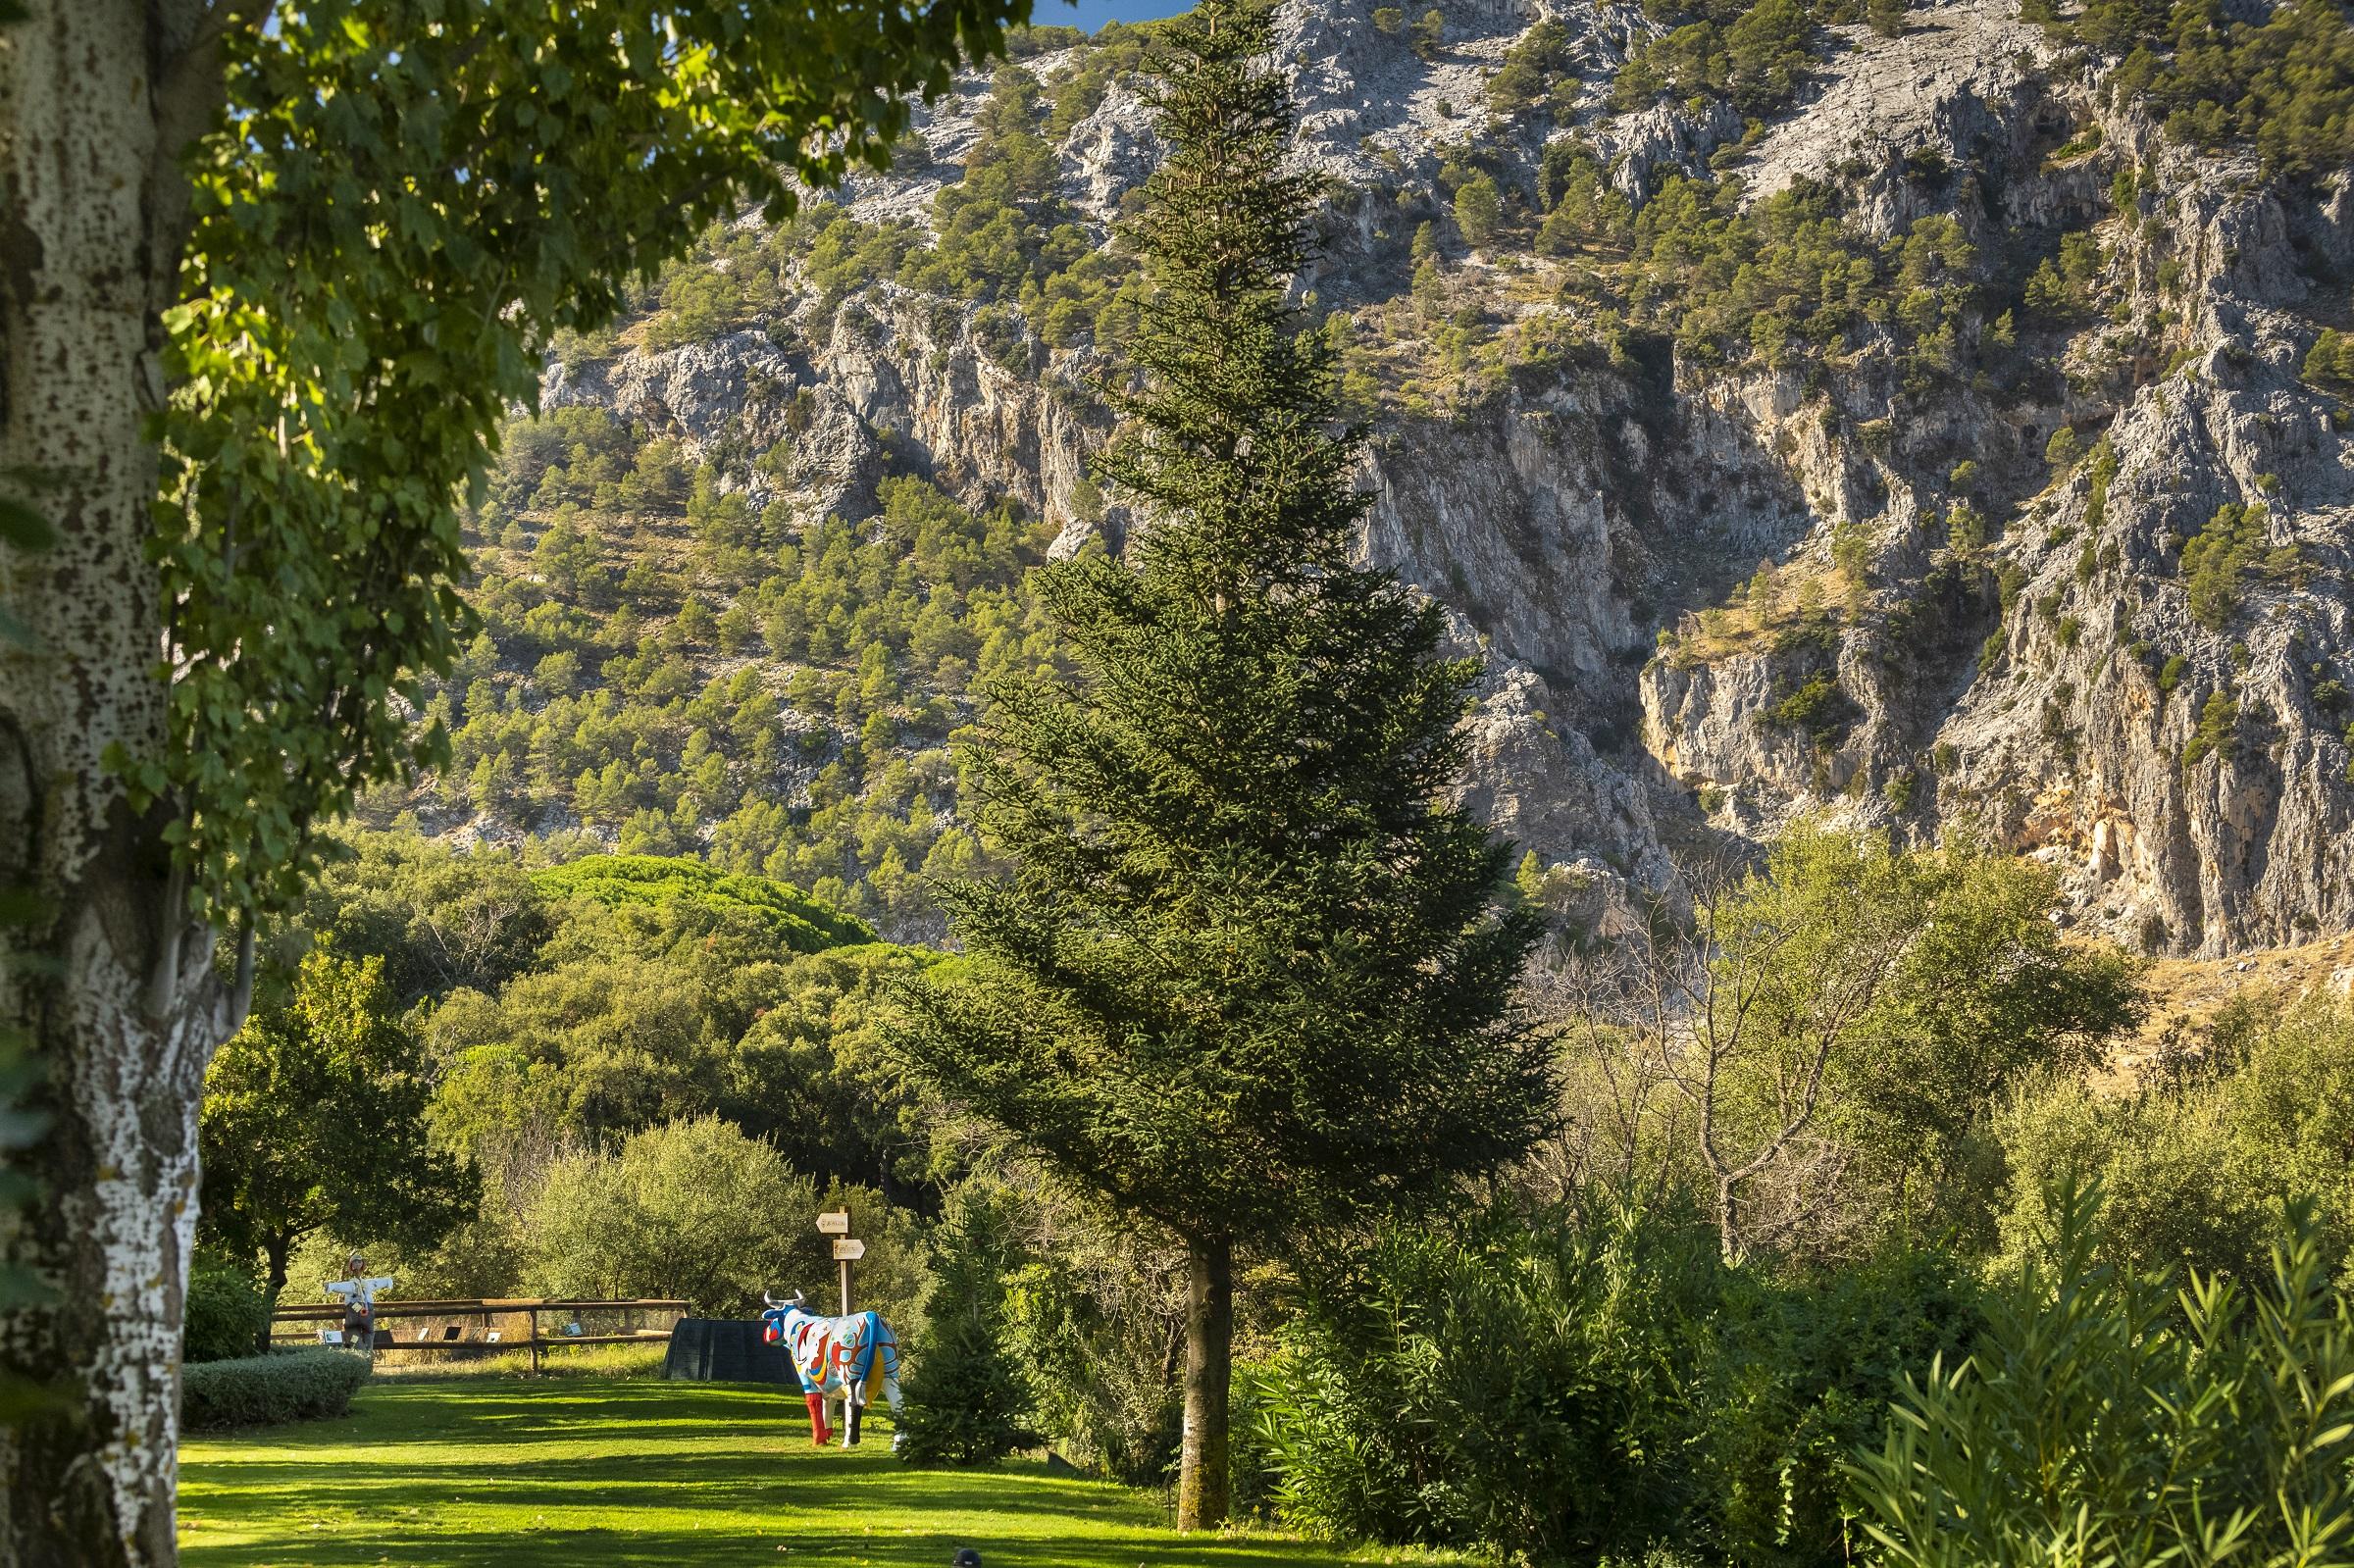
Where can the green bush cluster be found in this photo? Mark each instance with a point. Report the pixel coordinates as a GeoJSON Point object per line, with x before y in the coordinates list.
{"type": "Point", "coordinates": [785, 917]}
{"type": "Point", "coordinates": [553, 1021]}
{"type": "Point", "coordinates": [1816, 707]}
{"type": "Point", "coordinates": [259, 1391]}
{"type": "Point", "coordinates": [2115, 1413]}
{"type": "Point", "coordinates": [2194, 1159]}
{"type": "Point", "coordinates": [2217, 732]}
{"type": "Point", "coordinates": [2063, 286]}
{"type": "Point", "coordinates": [1536, 71]}
{"type": "Point", "coordinates": [225, 1316]}
{"type": "Point", "coordinates": [1589, 1381]}
{"type": "Point", "coordinates": [1584, 1378]}
{"type": "Point", "coordinates": [699, 1209]}
{"type": "Point", "coordinates": [2329, 363]}
{"type": "Point", "coordinates": [2284, 83]}
{"type": "Point", "coordinates": [1580, 207]}
{"type": "Point", "coordinates": [2217, 557]}
{"type": "Point", "coordinates": [1754, 56]}
{"type": "Point", "coordinates": [1786, 277]}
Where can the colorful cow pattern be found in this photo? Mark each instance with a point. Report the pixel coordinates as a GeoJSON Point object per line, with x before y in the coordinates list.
{"type": "Point", "coordinates": [835, 1356]}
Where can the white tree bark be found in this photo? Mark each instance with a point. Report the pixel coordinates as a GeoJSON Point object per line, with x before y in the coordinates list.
{"type": "Point", "coordinates": [97, 98]}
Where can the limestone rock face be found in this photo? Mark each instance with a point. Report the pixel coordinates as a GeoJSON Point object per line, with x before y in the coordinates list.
{"type": "Point", "coordinates": [1715, 600]}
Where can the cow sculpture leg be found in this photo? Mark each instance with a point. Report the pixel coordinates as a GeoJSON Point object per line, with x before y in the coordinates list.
{"type": "Point", "coordinates": [821, 1433]}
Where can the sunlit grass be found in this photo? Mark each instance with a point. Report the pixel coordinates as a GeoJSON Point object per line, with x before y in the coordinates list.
{"type": "Point", "coordinates": [608, 1361]}
{"type": "Point", "coordinates": [572, 1472]}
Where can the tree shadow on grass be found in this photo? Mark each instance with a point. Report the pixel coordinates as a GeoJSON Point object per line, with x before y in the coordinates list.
{"type": "Point", "coordinates": [582, 1475]}
{"type": "Point", "coordinates": [422, 1546]}
{"type": "Point", "coordinates": [724, 1480]}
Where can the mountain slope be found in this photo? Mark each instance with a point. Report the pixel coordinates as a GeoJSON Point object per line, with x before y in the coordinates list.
{"type": "Point", "coordinates": [1905, 421]}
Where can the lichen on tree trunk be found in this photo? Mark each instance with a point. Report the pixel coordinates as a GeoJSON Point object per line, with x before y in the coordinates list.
{"type": "Point", "coordinates": [97, 97]}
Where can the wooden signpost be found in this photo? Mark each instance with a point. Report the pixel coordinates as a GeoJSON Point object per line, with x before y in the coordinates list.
{"type": "Point", "coordinates": [836, 1223]}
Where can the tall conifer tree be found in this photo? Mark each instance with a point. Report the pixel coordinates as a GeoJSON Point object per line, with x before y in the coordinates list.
{"type": "Point", "coordinates": [1249, 975]}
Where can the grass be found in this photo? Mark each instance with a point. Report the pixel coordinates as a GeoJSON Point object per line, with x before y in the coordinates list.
{"type": "Point", "coordinates": [563, 1361]}
{"type": "Point", "coordinates": [581, 1473]}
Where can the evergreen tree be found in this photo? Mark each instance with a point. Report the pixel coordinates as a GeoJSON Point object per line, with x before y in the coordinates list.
{"type": "Point", "coordinates": [964, 1400]}
{"type": "Point", "coordinates": [1249, 975]}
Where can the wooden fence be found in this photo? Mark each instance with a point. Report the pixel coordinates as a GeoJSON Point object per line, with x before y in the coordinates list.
{"type": "Point", "coordinates": [484, 1326]}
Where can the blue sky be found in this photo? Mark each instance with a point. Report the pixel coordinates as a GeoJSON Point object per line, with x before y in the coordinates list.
{"type": "Point", "coordinates": [1093, 13]}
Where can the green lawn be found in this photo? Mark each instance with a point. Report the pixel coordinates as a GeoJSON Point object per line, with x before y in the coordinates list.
{"type": "Point", "coordinates": [573, 1473]}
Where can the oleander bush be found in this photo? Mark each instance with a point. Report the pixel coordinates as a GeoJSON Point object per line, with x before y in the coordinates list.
{"type": "Point", "coordinates": [2111, 1414]}
{"type": "Point", "coordinates": [1592, 1379]}
{"type": "Point", "coordinates": [261, 1391]}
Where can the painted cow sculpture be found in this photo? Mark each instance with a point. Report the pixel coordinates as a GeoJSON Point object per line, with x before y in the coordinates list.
{"type": "Point", "coordinates": [835, 1355]}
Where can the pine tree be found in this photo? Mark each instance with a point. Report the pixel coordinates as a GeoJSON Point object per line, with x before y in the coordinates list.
{"type": "Point", "coordinates": [1249, 975]}
{"type": "Point", "coordinates": [964, 1400]}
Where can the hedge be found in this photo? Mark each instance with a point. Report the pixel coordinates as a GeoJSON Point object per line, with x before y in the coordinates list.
{"type": "Point", "coordinates": [261, 1389]}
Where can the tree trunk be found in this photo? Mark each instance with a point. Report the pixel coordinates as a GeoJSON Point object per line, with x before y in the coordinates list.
{"type": "Point", "coordinates": [1202, 1473]}
{"type": "Point", "coordinates": [114, 982]}
{"type": "Point", "coordinates": [273, 1249]}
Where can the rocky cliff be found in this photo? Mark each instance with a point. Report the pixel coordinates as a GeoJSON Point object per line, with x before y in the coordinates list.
{"type": "Point", "coordinates": [2033, 523]}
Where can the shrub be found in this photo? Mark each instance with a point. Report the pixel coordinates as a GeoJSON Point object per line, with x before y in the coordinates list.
{"type": "Point", "coordinates": [1523, 1388]}
{"type": "Point", "coordinates": [1587, 1380]}
{"type": "Point", "coordinates": [1529, 69]}
{"type": "Point", "coordinates": [1798, 1376]}
{"type": "Point", "coordinates": [696, 1209]}
{"type": "Point", "coordinates": [2217, 731]}
{"type": "Point", "coordinates": [2214, 560]}
{"type": "Point", "coordinates": [2192, 1164]}
{"type": "Point", "coordinates": [778, 912]}
{"type": "Point", "coordinates": [2063, 450]}
{"type": "Point", "coordinates": [1429, 35]}
{"type": "Point", "coordinates": [2110, 1415]}
{"type": "Point", "coordinates": [264, 1390]}
{"type": "Point", "coordinates": [1817, 708]}
{"type": "Point", "coordinates": [1966, 527]}
{"type": "Point", "coordinates": [1091, 1325]}
{"type": "Point", "coordinates": [2330, 362]}
{"type": "Point", "coordinates": [1478, 212]}
{"type": "Point", "coordinates": [226, 1316]}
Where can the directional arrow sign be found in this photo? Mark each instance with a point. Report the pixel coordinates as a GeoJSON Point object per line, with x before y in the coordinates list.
{"type": "Point", "coordinates": [836, 1222]}
{"type": "Point", "coordinates": [848, 1252]}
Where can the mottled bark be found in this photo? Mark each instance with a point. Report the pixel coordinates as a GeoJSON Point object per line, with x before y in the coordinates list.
{"type": "Point", "coordinates": [1201, 1466]}
{"type": "Point", "coordinates": [97, 98]}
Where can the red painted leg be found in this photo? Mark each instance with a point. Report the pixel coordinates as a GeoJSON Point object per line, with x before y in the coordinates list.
{"type": "Point", "coordinates": [817, 1418]}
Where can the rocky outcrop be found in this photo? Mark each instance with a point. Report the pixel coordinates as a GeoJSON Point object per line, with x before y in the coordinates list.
{"type": "Point", "coordinates": [1597, 528]}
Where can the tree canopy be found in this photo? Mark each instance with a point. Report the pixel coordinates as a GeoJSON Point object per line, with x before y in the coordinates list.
{"type": "Point", "coordinates": [314, 1118]}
